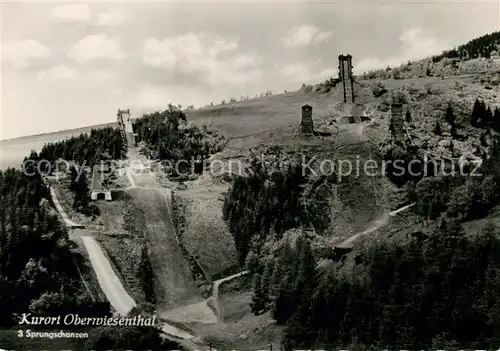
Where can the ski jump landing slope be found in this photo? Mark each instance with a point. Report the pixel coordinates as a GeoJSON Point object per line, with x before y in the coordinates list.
{"type": "Point", "coordinates": [108, 281]}
{"type": "Point", "coordinates": [174, 285]}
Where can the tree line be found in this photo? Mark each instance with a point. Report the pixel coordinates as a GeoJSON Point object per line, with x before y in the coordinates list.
{"type": "Point", "coordinates": [87, 149]}
{"type": "Point", "coordinates": [82, 153]}
{"type": "Point", "coordinates": [482, 116]}
{"type": "Point", "coordinates": [37, 271]}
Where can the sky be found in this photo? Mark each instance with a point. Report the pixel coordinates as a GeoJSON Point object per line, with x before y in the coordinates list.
{"type": "Point", "coordinates": [72, 64]}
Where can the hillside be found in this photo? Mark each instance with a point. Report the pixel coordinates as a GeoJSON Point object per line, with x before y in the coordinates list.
{"type": "Point", "coordinates": [447, 96]}
{"type": "Point", "coordinates": [274, 121]}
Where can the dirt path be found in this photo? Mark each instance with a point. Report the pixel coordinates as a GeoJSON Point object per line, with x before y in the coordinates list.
{"type": "Point", "coordinates": [176, 332]}
{"type": "Point", "coordinates": [217, 283]}
{"type": "Point", "coordinates": [215, 290]}
{"type": "Point", "coordinates": [379, 223]}
{"type": "Point", "coordinates": [359, 128]}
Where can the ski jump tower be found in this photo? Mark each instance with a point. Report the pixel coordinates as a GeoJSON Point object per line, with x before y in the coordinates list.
{"type": "Point", "coordinates": [346, 77]}
{"type": "Point", "coordinates": [125, 125]}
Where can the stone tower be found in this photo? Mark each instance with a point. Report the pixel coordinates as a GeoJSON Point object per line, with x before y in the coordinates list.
{"type": "Point", "coordinates": [306, 125]}
{"type": "Point", "coordinates": [346, 77]}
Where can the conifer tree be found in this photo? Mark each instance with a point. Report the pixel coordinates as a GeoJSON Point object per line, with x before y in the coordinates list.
{"type": "Point", "coordinates": [437, 129]}
{"type": "Point", "coordinates": [281, 308]}
{"type": "Point", "coordinates": [495, 123]}
{"type": "Point", "coordinates": [450, 116]}
{"type": "Point", "coordinates": [488, 116]}
{"type": "Point", "coordinates": [306, 267]}
{"type": "Point", "coordinates": [266, 279]}
{"type": "Point", "coordinates": [408, 116]}
{"type": "Point", "coordinates": [275, 281]}
{"type": "Point", "coordinates": [79, 187]}
{"type": "Point", "coordinates": [258, 303]}
{"type": "Point", "coordinates": [285, 303]}
{"type": "Point", "coordinates": [453, 131]}
{"type": "Point", "coordinates": [306, 277]}
{"type": "Point", "coordinates": [477, 113]}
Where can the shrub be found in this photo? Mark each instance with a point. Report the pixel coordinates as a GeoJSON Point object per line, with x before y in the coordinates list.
{"type": "Point", "coordinates": [399, 97]}
{"type": "Point", "coordinates": [306, 88]}
{"type": "Point", "coordinates": [396, 73]}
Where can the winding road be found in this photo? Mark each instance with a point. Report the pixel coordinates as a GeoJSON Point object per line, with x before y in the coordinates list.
{"type": "Point", "coordinates": [108, 281]}
{"type": "Point", "coordinates": [379, 223]}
